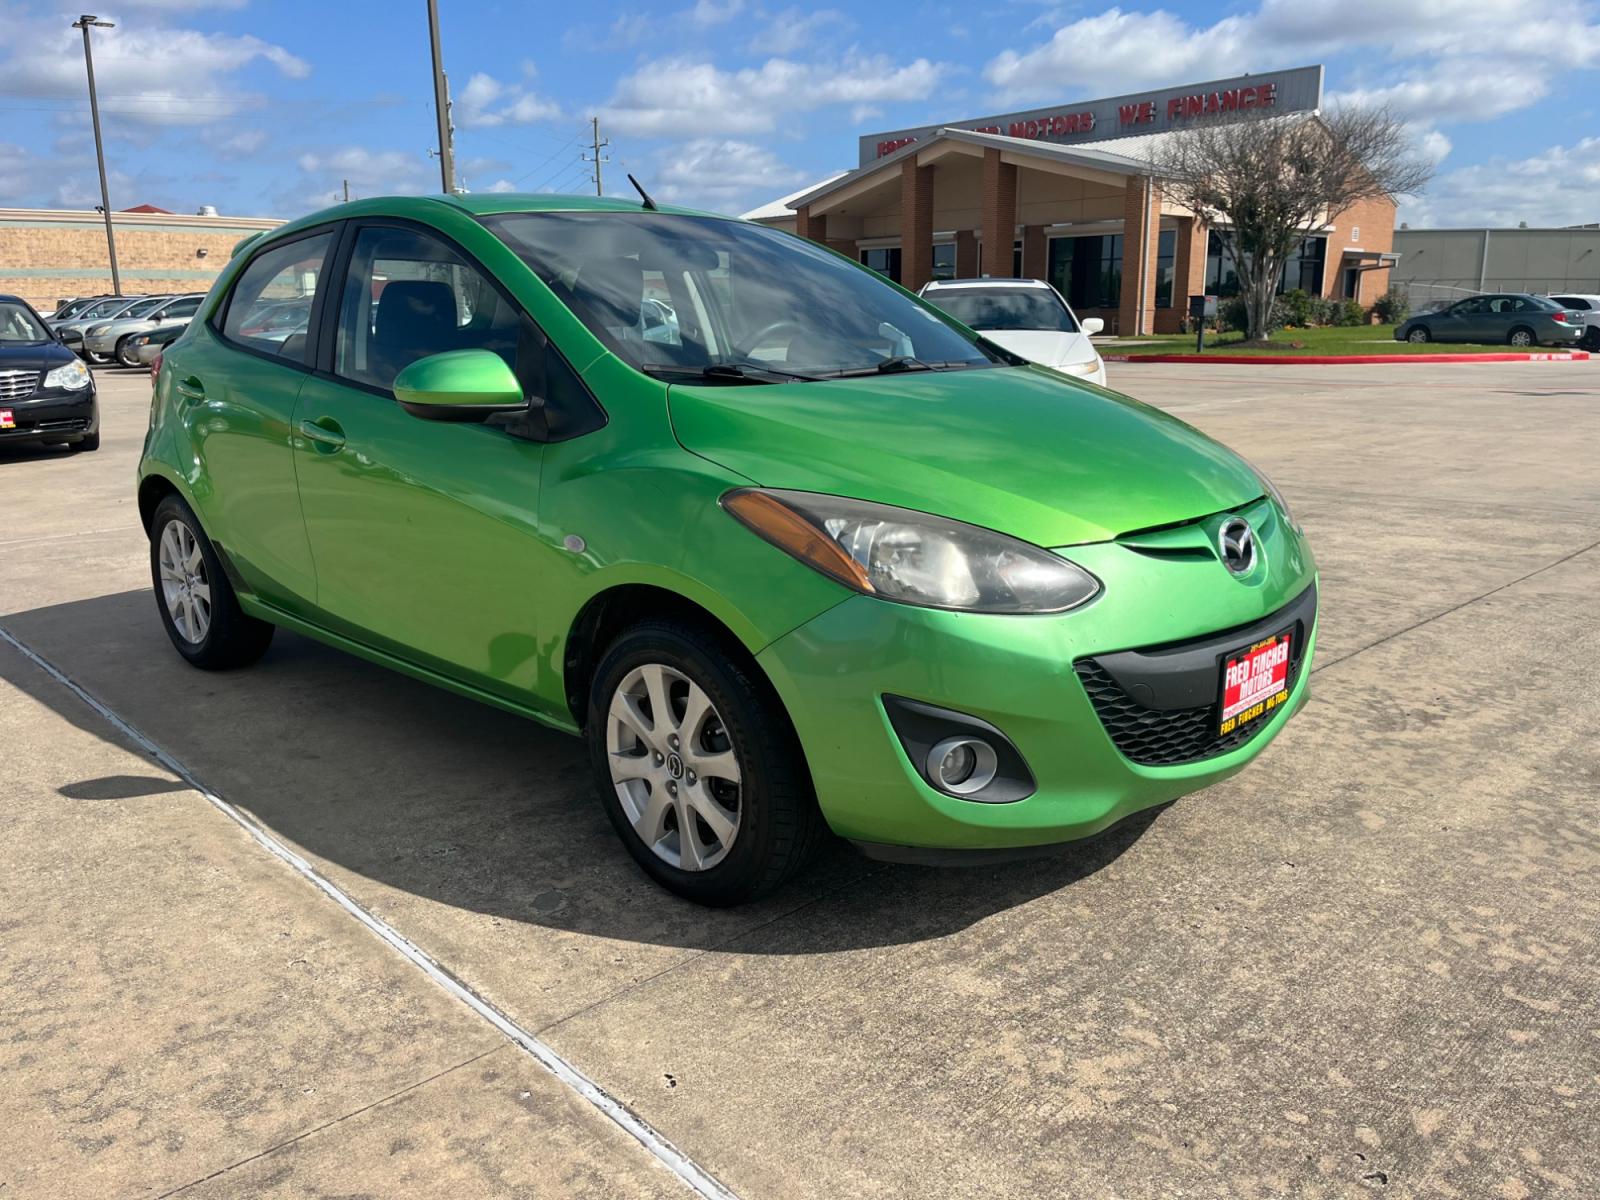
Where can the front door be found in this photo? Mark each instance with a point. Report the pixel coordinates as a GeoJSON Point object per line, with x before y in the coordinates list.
{"type": "Point", "coordinates": [237, 392]}
{"type": "Point", "coordinates": [424, 533]}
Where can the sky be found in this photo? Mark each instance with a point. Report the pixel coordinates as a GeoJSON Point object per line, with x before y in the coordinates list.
{"type": "Point", "coordinates": [267, 107]}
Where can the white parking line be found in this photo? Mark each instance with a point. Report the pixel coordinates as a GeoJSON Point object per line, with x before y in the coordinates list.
{"type": "Point", "coordinates": [697, 1177]}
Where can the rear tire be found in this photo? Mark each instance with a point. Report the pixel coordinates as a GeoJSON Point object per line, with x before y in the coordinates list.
{"type": "Point", "coordinates": [760, 797]}
{"type": "Point", "coordinates": [197, 604]}
{"type": "Point", "coordinates": [1522, 337]}
{"type": "Point", "coordinates": [1591, 338]}
{"type": "Point", "coordinates": [1419, 336]}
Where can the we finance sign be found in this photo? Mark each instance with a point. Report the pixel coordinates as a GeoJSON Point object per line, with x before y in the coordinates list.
{"type": "Point", "coordinates": [1295, 90]}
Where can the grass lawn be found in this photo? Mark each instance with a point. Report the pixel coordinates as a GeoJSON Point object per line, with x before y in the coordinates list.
{"type": "Point", "coordinates": [1335, 339]}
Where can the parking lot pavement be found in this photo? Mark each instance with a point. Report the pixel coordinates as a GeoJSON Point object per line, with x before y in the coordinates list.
{"type": "Point", "coordinates": [1366, 965]}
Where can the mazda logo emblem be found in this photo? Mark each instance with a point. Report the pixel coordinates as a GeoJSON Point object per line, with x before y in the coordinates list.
{"type": "Point", "coordinates": [1236, 543]}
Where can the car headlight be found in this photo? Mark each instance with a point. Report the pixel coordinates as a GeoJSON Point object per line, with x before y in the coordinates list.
{"type": "Point", "coordinates": [1090, 367]}
{"type": "Point", "coordinates": [912, 557]}
{"type": "Point", "coordinates": [96, 330]}
{"type": "Point", "coordinates": [74, 376]}
{"type": "Point", "coordinates": [1277, 497]}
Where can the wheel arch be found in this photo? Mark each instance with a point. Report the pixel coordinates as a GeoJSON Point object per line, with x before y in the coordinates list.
{"type": "Point", "coordinates": [154, 488]}
{"type": "Point", "coordinates": [607, 613]}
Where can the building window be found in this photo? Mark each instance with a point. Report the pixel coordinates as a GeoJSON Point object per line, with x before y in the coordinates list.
{"type": "Point", "coordinates": [885, 260]}
{"type": "Point", "coordinates": [1166, 261]}
{"type": "Point", "coordinates": [944, 260]}
{"type": "Point", "coordinates": [1016, 260]}
{"type": "Point", "coordinates": [1088, 270]}
{"type": "Point", "coordinates": [1302, 269]}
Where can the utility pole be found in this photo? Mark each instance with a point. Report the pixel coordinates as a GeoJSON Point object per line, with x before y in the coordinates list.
{"type": "Point", "coordinates": [596, 159]}
{"type": "Point", "coordinates": [441, 102]}
{"type": "Point", "coordinates": [347, 191]}
{"type": "Point", "coordinates": [85, 23]}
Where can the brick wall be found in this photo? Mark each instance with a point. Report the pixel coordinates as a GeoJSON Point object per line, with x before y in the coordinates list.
{"type": "Point", "coordinates": [916, 224]}
{"type": "Point", "coordinates": [45, 255]}
{"type": "Point", "coordinates": [999, 213]}
{"type": "Point", "coordinates": [1366, 226]}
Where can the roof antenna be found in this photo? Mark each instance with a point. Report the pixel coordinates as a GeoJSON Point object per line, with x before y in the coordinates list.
{"type": "Point", "coordinates": [639, 187]}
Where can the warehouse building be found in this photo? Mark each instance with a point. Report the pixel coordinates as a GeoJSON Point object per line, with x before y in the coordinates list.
{"type": "Point", "coordinates": [48, 254]}
{"type": "Point", "coordinates": [1067, 194]}
{"type": "Point", "coordinates": [1447, 264]}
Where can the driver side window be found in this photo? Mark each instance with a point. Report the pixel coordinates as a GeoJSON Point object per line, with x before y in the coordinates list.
{"type": "Point", "coordinates": [408, 295]}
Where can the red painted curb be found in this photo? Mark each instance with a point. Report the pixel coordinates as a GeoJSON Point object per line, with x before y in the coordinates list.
{"type": "Point", "coordinates": [1333, 360]}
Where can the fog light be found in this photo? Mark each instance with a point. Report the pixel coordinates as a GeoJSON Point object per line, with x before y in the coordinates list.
{"type": "Point", "coordinates": [962, 765]}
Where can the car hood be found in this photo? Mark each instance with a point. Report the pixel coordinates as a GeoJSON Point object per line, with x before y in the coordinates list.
{"type": "Point", "coordinates": [33, 356]}
{"type": "Point", "coordinates": [1015, 449]}
{"type": "Point", "coordinates": [1047, 347]}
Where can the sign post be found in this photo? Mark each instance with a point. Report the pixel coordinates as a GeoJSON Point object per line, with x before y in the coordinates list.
{"type": "Point", "coordinates": [1201, 309]}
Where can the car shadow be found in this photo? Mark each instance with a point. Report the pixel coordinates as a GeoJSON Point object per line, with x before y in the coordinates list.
{"type": "Point", "coordinates": [417, 789]}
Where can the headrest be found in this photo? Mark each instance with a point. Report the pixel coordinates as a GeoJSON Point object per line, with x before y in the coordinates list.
{"type": "Point", "coordinates": [419, 311]}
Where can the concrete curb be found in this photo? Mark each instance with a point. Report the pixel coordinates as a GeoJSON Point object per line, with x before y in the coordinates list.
{"type": "Point", "coordinates": [1336, 360]}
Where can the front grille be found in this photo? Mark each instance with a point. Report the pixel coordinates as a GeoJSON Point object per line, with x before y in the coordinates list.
{"type": "Point", "coordinates": [16, 385]}
{"type": "Point", "coordinates": [1156, 737]}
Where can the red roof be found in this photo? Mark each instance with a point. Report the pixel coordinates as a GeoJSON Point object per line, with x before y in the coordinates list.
{"type": "Point", "coordinates": [149, 208]}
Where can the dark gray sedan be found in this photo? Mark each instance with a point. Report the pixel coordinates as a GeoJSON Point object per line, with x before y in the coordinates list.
{"type": "Point", "coordinates": [1512, 318]}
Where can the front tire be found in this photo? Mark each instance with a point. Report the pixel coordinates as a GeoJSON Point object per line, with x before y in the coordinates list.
{"type": "Point", "coordinates": [197, 604]}
{"type": "Point", "coordinates": [697, 765]}
{"type": "Point", "coordinates": [1418, 336]}
{"type": "Point", "coordinates": [124, 355]}
{"type": "Point", "coordinates": [1591, 338]}
{"type": "Point", "coordinates": [98, 360]}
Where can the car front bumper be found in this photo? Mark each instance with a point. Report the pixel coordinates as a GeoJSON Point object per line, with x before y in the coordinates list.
{"type": "Point", "coordinates": [1025, 677]}
{"type": "Point", "coordinates": [54, 417]}
{"type": "Point", "coordinates": [104, 343]}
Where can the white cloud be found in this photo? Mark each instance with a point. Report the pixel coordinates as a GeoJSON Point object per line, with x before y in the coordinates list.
{"type": "Point", "coordinates": [1555, 187]}
{"type": "Point", "coordinates": [244, 143]}
{"type": "Point", "coordinates": [145, 75]}
{"type": "Point", "coordinates": [794, 29]}
{"type": "Point", "coordinates": [686, 97]}
{"type": "Point", "coordinates": [486, 102]}
{"type": "Point", "coordinates": [721, 174]}
{"type": "Point", "coordinates": [501, 185]}
{"type": "Point", "coordinates": [370, 172]}
{"type": "Point", "coordinates": [707, 13]}
{"type": "Point", "coordinates": [1433, 60]}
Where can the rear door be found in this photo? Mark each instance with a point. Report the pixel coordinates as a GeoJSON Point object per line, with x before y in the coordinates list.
{"type": "Point", "coordinates": [425, 533]}
{"type": "Point", "coordinates": [237, 394]}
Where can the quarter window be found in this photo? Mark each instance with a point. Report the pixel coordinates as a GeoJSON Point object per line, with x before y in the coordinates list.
{"type": "Point", "coordinates": [408, 295]}
{"type": "Point", "coordinates": [270, 306]}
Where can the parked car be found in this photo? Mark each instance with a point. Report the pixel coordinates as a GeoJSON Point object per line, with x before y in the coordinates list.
{"type": "Point", "coordinates": [108, 339]}
{"type": "Point", "coordinates": [95, 330]}
{"type": "Point", "coordinates": [826, 558]}
{"type": "Point", "coordinates": [1514, 318]}
{"type": "Point", "coordinates": [46, 394]}
{"type": "Point", "coordinates": [71, 307]}
{"type": "Point", "coordinates": [96, 314]}
{"type": "Point", "coordinates": [99, 309]}
{"type": "Point", "coordinates": [145, 348]}
{"type": "Point", "coordinates": [1588, 307]}
{"type": "Point", "coordinates": [1026, 316]}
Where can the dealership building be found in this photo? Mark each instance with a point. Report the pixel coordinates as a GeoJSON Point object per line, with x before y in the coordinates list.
{"type": "Point", "coordinates": [48, 254]}
{"type": "Point", "coordinates": [1067, 193]}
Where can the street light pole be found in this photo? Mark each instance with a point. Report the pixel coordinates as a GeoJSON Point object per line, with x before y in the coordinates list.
{"type": "Point", "coordinates": [441, 102]}
{"type": "Point", "coordinates": [85, 23]}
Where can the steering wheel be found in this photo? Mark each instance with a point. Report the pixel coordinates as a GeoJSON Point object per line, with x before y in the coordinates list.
{"type": "Point", "coordinates": [755, 339]}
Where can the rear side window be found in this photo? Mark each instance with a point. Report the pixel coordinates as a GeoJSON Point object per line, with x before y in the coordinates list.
{"type": "Point", "coordinates": [182, 308]}
{"type": "Point", "coordinates": [269, 309]}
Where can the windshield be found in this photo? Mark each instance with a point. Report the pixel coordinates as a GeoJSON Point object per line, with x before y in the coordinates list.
{"type": "Point", "coordinates": [989, 308]}
{"type": "Point", "coordinates": [144, 307]}
{"type": "Point", "coordinates": [104, 308]}
{"type": "Point", "coordinates": [17, 324]}
{"type": "Point", "coordinates": [676, 295]}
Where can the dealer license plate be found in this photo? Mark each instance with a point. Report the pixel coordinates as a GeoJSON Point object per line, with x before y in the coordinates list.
{"type": "Point", "coordinates": [7, 421]}
{"type": "Point", "coordinates": [1255, 680]}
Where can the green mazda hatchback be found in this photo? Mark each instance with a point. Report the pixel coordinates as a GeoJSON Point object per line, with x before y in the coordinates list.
{"type": "Point", "coordinates": [792, 550]}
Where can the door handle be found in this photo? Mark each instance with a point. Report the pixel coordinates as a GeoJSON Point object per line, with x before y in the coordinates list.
{"type": "Point", "coordinates": [325, 432]}
{"type": "Point", "coordinates": [191, 389]}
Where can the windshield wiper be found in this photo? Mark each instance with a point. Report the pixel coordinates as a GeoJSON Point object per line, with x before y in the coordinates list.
{"type": "Point", "coordinates": [730, 372]}
{"type": "Point", "coordinates": [897, 364]}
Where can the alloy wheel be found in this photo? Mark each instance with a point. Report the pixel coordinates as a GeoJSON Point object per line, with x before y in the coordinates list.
{"type": "Point", "coordinates": [184, 587]}
{"type": "Point", "coordinates": [674, 767]}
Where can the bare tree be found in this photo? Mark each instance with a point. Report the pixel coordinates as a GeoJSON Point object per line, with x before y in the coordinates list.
{"type": "Point", "coordinates": [1264, 183]}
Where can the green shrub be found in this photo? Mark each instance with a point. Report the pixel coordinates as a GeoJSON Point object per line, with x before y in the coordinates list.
{"type": "Point", "coordinates": [1233, 317]}
{"type": "Point", "coordinates": [1297, 307]}
{"type": "Point", "coordinates": [1393, 307]}
{"type": "Point", "coordinates": [1351, 313]}
{"type": "Point", "coordinates": [1324, 311]}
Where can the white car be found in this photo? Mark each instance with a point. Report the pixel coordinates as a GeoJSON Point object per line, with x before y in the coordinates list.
{"type": "Point", "coordinates": [1589, 307]}
{"type": "Point", "coordinates": [1027, 317]}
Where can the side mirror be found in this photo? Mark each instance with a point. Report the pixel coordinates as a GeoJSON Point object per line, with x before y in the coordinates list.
{"type": "Point", "coordinates": [1092, 326]}
{"type": "Point", "coordinates": [459, 385]}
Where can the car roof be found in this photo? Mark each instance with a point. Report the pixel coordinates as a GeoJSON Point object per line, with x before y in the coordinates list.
{"type": "Point", "coordinates": [985, 283]}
